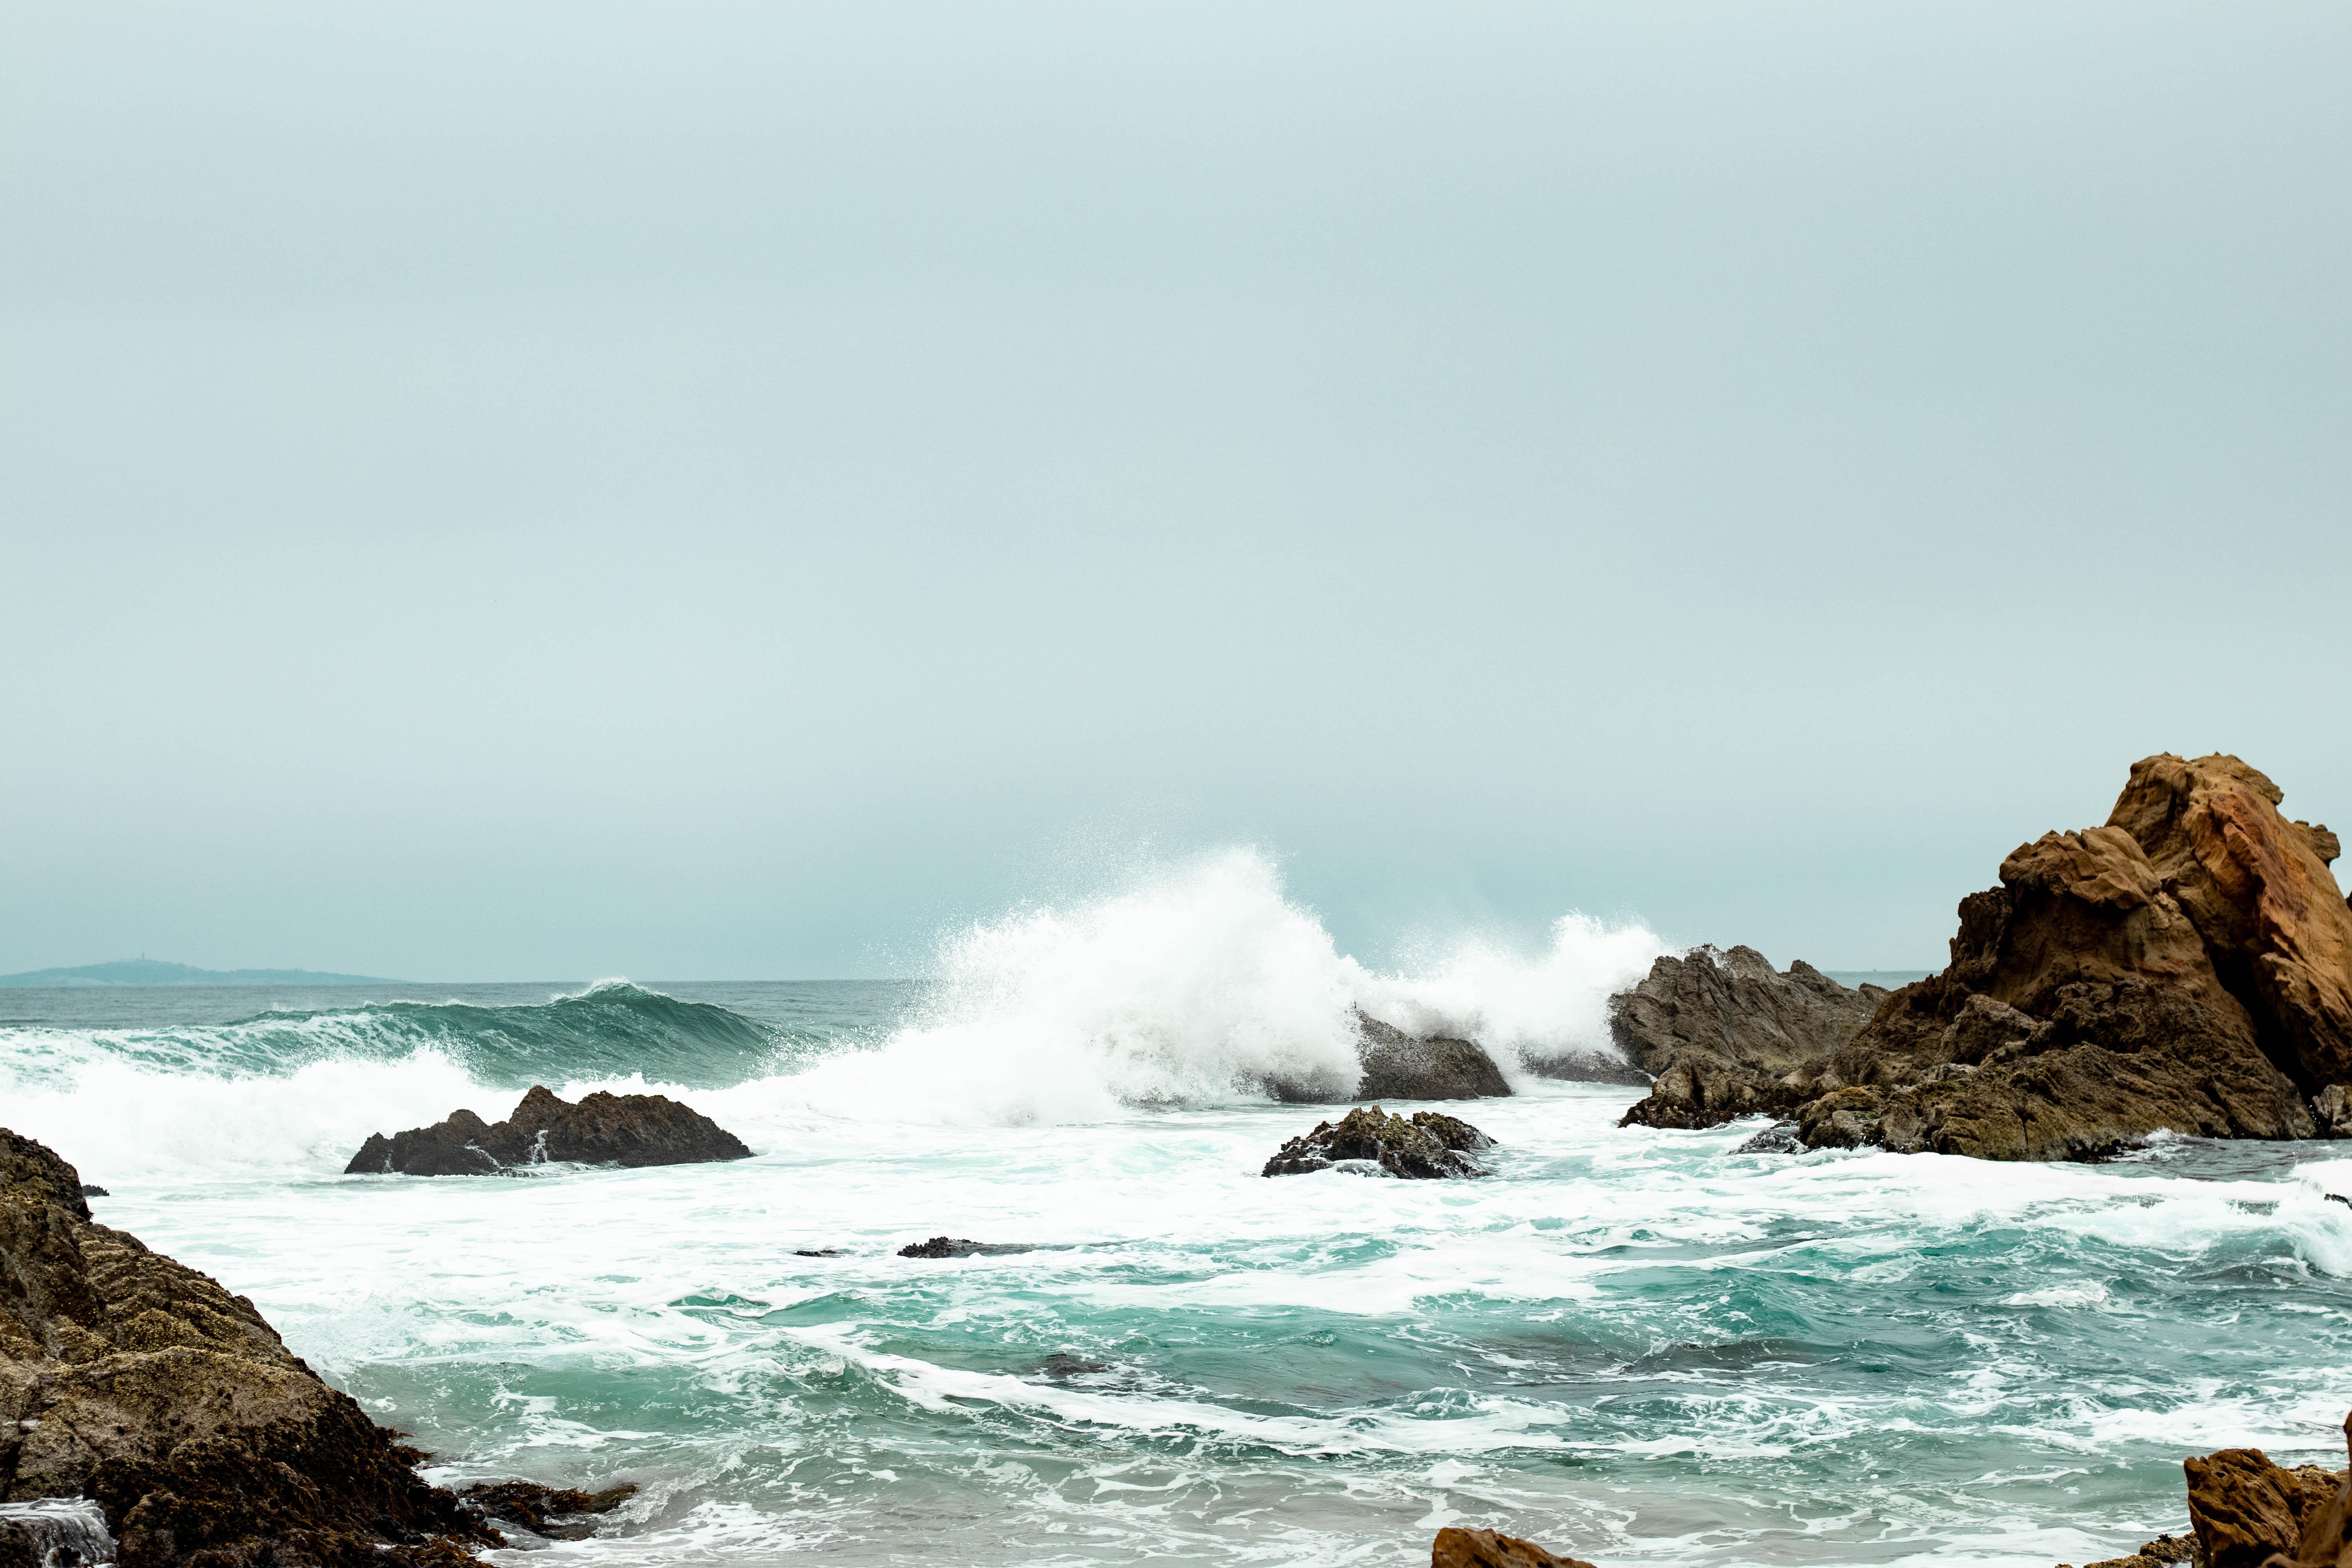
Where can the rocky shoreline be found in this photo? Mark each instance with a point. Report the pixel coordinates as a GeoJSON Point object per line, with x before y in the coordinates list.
{"type": "Point", "coordinates": [131, 1382]}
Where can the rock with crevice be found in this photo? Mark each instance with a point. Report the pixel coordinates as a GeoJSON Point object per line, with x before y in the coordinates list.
{"type": "Point", "coordinates": [602, 1129]}
{"type": "Point", "coordinates": [2250, 1512]}
{"type": "Point", "coordinates": [1430, 1145]}
{"type": "Point", "coordinates": [1724, 1035]}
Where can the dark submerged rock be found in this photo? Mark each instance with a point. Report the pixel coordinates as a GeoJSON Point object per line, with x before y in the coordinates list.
{"type": "Point", "coordinates": [960, 1246]}
{"type": "Point", "coordinates": [141, 1384]}
{"type": "Point", "coordinates": [1430, 1145]}
{"type": "Point", "coordinates": [1726, 1036]}
{"type": "Point", "coordinates": [91, 1190]}
{"type": "Point", "coordinates": [557, 1513]}
{"type": "Point", "coordinates": [628, 1130]}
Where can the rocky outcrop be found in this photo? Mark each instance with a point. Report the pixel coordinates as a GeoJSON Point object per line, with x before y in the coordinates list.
{"type": "Point", "coordinates": [130, 1380]}
{"type": "Point", "coordinates": [2164, 1551]}
{"type": "Point", "coordinates": [963, 1247]}
{"type": "Point", "coordinates": [2187, 965]}
{"type": "Point", "coordinates": [630, 1129]}
{"type": "Point", "coordinates": [1486, 1549]}
{"type": "Point", "coordinates": [551, 1513]}
{"type": "Point", "coordinates": [1723, 1035]}
{"type": "Point", "coordinates": [2244, 1510]}
{"type": "Point", "coordinates": [1430, 1145]}
{"type": "Point", "coordinates": [1397, 1066]}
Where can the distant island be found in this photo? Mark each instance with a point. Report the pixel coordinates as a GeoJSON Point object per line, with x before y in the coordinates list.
{"type": "Point", "coordinates": [156, 971]}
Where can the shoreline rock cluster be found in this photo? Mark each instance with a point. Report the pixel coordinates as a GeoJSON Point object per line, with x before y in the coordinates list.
{"type": "Point", "coordinates": [626, 1130]}
{"type": "Point", "coordinates": [1430, 1145]}
{"type": "Point", "coordinates": [2187, 965]}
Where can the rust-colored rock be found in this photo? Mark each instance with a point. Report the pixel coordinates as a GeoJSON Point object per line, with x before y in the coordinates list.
{"type": "Point", "coordinates": [2249, 1512]}
{"type": "Point", "coordinates": [1725, 1035]}
{"type": "Point", "coordinates": [631, 1130]}
{"type": "Point", "coordinates": [2256, 885]}
{"type": "Point", "coordinates": [1486, 1549]}
{"type": "Point", "coordinates": [2188, 967]}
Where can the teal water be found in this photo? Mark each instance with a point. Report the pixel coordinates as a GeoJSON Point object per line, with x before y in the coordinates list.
{"type": "Point", "coordinates": [1643, 1346]}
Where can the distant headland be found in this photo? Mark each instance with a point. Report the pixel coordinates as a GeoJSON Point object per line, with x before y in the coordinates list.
{"type": "Point", "coordinates": [156, 971]}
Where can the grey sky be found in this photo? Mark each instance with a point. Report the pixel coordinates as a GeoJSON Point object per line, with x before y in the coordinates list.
{"type": "Point", "coordinates": [689, 490]}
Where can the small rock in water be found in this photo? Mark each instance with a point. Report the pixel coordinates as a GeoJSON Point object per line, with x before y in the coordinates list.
{"type": "Point", "coordinates": [557, 1513]}
{"type": "Point", "coordinates": [960, 1246]}
{"type": "Point", "coordinates": [1487, 1549]}
{"type": "Point", "coordinates": [1430, 1145]}
{"type": "Point", "coordinates": [92, 1190]}
{"type": "Point", "coordinates": [2339, 1198]}
{"type": "Point", "coordinates": [1780, 1138]}
{"type": "Point", "coordinates": [816, 1252]}
{"type": "Point", "coordinates": [1062, 1364]}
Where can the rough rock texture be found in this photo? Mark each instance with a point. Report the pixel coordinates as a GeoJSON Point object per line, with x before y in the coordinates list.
{"type": "Point", "coordinates": [602, 1129]}
{"type": "Point", "coordinates": [142, 1384]}
{"type": "Point", "coordinates": [1430, 1145]}
{"type": "Point", "coordinates": [1398, 1067]}
{"type": "Point", "coordinates": [1723, 1035]}
{"type": "Point", "coordinates": [1485, 1549]}
{"type": "Point", "coordinates": [556, 1513]}
{"type": "Point", "coordinates": [2186, 966]}
{"type": "Point", "coordinates": [960, 1246]}
{"type": "Point", "coordinates": [2161, 1552]}
{"type": "Point", "coordinates": [2245, 1508]}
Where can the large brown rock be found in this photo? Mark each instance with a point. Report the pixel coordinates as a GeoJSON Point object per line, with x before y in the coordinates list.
{"type": "Point", "coordinates": [1724, 1035]}
{"type": "Point", "coordinates": [2257, 888]}
{"type": "Point", "coordinates": [2181, 967]}
{"type": "Point", "coordinates": [2246, 1511]}
{"type": "Point", "coordinates": [602, 1128]}
{"type": "Point", "coordinates": [1486, 1549]}
{"type": "Point", "coordinates": [130, 1379]}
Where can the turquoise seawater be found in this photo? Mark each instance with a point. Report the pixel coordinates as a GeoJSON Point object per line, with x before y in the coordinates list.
{"type": "Point", "coordinates": [1642, 1346]}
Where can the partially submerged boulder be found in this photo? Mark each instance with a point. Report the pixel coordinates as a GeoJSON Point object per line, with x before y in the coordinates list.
{"type": "Point", "coordinates": [1487, 1549]}
{"type": "Point", "coordinates": [1397, 1066]}
{"type": "Point", "coordinates": [552, 1513]}
{"type": "Point", "coordinates": [1430, 1145]}
{"type": "Point", "coordinates": [630, 1129]}
{"type": "Point", "coordinates": [963, 1246]}
{"type": "Point", "coordinates": [1724, 1035]}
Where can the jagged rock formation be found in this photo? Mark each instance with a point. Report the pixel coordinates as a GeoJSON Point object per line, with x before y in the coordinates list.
{"type": "Point", "coordinates": [552, 1513]}
{"type": "Point", "coordinates": [603, 1129]}
{"type": "Point", "coordinates": [1723, 1035]}
{"type": "Point", "coordinates": [1486, 1549]}
{"type": "Point", "coordinates": [2186, 966]}
{"type": "Point", "coordinates": [2162, 1552]}
{"type": "Point", "coordinates": [2245, 1508]}
{"type": "Point", "coordinates": [1430, 1145]}
{"type": "Point", "coordinates": [130, 1380]}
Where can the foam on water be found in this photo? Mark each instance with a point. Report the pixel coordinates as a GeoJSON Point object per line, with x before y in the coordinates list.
{"type": "Point", "coordinates": [1635, 1344]}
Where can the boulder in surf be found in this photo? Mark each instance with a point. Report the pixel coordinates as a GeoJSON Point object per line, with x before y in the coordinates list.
{"type": "Point", "coordinates": [1394, 1065]}
{"type": "Point", "coordinates": [1430, 1145]}
{"type": "Point", "coordinates": [1725, 1035]}
{"type": "Point", "coordinates": [628, 1129]}
{"type": "Point", "coordinates": [1488, 1548]}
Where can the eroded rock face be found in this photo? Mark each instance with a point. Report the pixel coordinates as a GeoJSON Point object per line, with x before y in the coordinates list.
{"type": "Point", "coordinates": [2187, 965]}
{"type": "Point", "coordinates": [1724, 1035]}
{"type": "Point", "coordinates": [1430, 1145]}
{"type": "Point", "coordinates": [631, 1130]}
{"type": "Point", "coordinates": [133, 1380]}
{"type": "Point", "coordinates": [1486, 1549]}
{"type": "Point", "coordinates": [2243, 1509]}
{"type": "Point", "coordinates": [1398, 1067]}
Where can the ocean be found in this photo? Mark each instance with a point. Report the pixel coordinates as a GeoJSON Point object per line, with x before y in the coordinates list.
{"type": "Point", "coordinates": [1635, 1345]}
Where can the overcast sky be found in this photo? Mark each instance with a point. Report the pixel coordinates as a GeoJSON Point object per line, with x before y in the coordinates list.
{"type": "Point", "coordinates": [495, 491]}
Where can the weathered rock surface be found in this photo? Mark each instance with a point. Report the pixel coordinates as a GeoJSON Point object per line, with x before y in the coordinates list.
{"type": "Point", "coordinates": [1398, 1067]}
{"type": "Point", "coordinates": [1725, 1035]}
{"type": "Point", "coordinates": [2186, 966]}
{"type": "Point", "coordinates": [1486, 1549]}
{"type": "Point", "coordinates": [142, 1384]}
{"type": "Point", "coordinates": [2245, 1508]}
{"type": "Point", "coordinates": [963, 1247]}
{"type": "Point", "coordinates": [1430, 1145]}
{"type": "Point", "coordinates": [2161, 1552]}
{"type": "Point", "coordinates": [631, 1130]}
